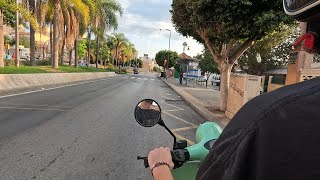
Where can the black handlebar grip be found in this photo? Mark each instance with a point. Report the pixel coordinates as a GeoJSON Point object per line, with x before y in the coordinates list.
{"type": "Point", "coordinates": [146, 164]}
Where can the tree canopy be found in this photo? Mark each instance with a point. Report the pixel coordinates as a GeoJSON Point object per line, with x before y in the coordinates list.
{"type": "Point", "coordinates": [207, 64]}
{"type": "Point", "coordinates": [163, 55]}
{"type": "Point", "coordinates": [222, 20]}
{"type": "Point", "coordinates": [228, 28]}
{"type": "Point", "coordinates": [269, 53]}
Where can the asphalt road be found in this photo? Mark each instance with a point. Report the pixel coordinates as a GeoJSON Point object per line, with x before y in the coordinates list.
{"type": "Point", "coordinates": [88, 131]}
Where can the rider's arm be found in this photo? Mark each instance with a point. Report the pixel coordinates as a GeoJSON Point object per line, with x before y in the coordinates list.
{"type": "Point", "coordinates": [161, 155]}
{"type": "Point", "coordinates": [162, 173]}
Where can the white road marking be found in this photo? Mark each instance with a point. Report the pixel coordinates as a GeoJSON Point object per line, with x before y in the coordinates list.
{"type": "Point", "coordinates": [168, 98]}
{"type": "Point", "coordinates": [145, 78]}
{"type": "Point", "coordinates": [172, 110]}
{"type": "Point", "coordinates": [173, 106]}
{"type": "Point", "coordinates": [138, 78]}
{"type": "Point", "coordinates": [182, 129]}
{"type": "Point", "coordinates": [17, 108]}
{"type": "Point", "coordinates": [30, 92]}
{"type": "Point", "coordinates": [180, 119]}
{"type": "Point", "coordinates": [133, 77]}
{"type": "Point", "coordinates": [152, 79]}
{"type": "Point", "coordinates": [43, 105]}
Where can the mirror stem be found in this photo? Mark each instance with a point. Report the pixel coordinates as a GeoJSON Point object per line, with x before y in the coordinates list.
{"type": "Point", "coordinates": [161, 123]}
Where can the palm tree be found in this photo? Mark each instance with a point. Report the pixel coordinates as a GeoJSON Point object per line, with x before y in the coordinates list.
{"type": "Point", "coordinates": [119, 40]}
{"type": "Point", "coordinates": [57, 35]}
{"type": "Point", "coordinates": [1, 38]}
{"type": "Point", "coordinates": [66, 18]}
{"type": "Point", "coordinates": [104, 18]}
{"type": "Point", "coordinates": [184, 45]}
{"type": "Point", "coordinates": [129, 52]}
{"type": "Point", "coordinates": [32, 4]}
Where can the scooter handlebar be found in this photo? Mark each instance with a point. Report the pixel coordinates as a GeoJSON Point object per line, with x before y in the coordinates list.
{"type": "Point", "coordinates": [179, 157]}
{"type": "Point", "coordinates": [145, 160]}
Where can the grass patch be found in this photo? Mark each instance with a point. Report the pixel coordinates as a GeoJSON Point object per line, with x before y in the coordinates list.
{"type": "Point", "coordinates": [21, 70]}
{"type": "Point", "coordinates": [49, 69]}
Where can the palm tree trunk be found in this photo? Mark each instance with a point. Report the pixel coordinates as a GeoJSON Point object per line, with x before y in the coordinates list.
{"type": "Point", "coordinates": [117, 62]}
{"type": "Point", "coordinates": [89, 37]}
{"type": "Point", "coordinates": [76, 43]}
{"type": "Point", "coordinates": [51, 43]}
{"type": "Point", "coordinates": [56, 34]}
{"type": "Point", "coordinates": [32, 4]}
{"type": "Point", "coordinates": [76, 52]}
{"type": "Point", "coordinates": [97, 52]}
{"type": "Point", "coordinates": [1, 40]}
{"type": "Point", "coordinates": [62, 52]}
{"type": "Point", "coordinates": [70, 57]}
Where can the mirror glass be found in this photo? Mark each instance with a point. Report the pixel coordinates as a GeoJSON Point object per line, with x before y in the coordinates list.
{"type": "Point", "coordinates": [295, 5]}
{"type": "Point", "coordinates": [147, 113]}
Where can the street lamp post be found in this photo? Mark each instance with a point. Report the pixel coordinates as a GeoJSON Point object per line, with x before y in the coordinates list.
{"type": "Point", "coordinates": [17, 35]}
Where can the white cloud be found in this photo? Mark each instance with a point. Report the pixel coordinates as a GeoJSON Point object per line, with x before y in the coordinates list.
{"type": "Point", "coordinates": [141, 22]}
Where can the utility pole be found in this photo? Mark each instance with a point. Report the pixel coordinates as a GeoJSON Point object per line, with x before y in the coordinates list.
{"type": "Point", "coordinates": [88, 48]}
{"type": "Point", "coordinates": [17, 35]}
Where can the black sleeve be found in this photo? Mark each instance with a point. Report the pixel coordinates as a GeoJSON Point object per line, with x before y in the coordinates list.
{"type": "Point", "coordinates": [274, 136]}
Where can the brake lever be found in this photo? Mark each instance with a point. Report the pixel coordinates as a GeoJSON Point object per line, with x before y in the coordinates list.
{"type": "Point", "coordinates": [145, 160]}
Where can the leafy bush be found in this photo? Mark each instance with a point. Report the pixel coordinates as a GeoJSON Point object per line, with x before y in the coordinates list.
{"type": "Point", "coordinates": [10, 63]}
{"type": "Point", "coordinates": [156, 69]}
{"type": "Point", "coordinates": [43, 63]}
{"type": "Point", "coordinates": [25, 63]}
{"type": "Point", "coordinates": [110, 65]}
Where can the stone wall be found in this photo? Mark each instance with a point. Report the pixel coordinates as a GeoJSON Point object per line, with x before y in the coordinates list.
{"type": "Point", "coordinates": [242, 89]}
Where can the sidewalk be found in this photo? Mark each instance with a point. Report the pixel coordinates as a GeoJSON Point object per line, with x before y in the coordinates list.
{"type": "Point", "coordinates": [205, 101]}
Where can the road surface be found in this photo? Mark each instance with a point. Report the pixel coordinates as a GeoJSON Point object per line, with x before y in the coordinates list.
{"type": "Point", "coordinates": [88, 131]}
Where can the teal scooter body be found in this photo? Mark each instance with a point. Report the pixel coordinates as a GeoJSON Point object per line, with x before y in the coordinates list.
{"type": "Point", "coordinates": [186, 159]}
{"type": "Point", "coordinates": [205, 133]}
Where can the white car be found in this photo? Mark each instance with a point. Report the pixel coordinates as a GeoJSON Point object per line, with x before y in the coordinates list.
{"type": "Point", "coordinates": [215, 80]}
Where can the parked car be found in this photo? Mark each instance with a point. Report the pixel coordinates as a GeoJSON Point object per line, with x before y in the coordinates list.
{"type": "Point", "coordinates": [215, 80]}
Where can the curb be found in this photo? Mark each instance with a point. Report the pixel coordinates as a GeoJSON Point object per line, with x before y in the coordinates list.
{"type": "Point", "coordinates": [196, 106]}
{"type": "Point", "coordinates": [10, 83]}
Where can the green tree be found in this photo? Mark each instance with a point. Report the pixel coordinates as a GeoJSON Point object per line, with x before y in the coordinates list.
{"type": "Point", "coordinates": [207, 64]}
{"type": "Point", "coordinates": [104, 53]}
{"type": "Point", "coordinates": [82, 49]}
{"type": "Point", "coordinates": [227, 28]}
{"type": "Point", "coordinates": [105, 19]}
{"type": "Point", "coordinates": [119, 42]}
{"type": "Point", "coordinates": [269, 52]}
{"type": "Point", "coordinates": [161, 56]}
{"type": "Point", "coordinates": [138, 63]}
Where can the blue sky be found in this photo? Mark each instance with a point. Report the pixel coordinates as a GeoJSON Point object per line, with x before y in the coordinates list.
{"type": "Point", "coordinates": [141, 22]}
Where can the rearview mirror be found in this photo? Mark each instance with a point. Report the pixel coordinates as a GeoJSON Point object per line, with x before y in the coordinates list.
{"type": "Point", "coordinates": [147, 113]}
